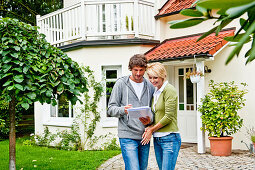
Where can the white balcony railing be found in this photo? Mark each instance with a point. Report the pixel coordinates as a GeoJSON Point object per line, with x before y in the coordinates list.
{"type": "Point", "coordinates": [93, 20]}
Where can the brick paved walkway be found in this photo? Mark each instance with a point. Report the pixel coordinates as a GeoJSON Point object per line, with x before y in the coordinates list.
{"type": "Point", "coordinates": [189, 159]}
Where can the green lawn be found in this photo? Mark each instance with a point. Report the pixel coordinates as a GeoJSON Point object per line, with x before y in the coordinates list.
{"type": "Point", "coordinates": [34, 157]}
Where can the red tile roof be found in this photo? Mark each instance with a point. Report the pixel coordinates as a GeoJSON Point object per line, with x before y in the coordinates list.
{"type": "Point", "coordinates": [172, 6]}
{"type": "Point", "coordinates": [185, 47]}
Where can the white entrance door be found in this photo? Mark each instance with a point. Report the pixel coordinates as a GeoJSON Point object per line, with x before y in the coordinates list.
{"type": "Point", "coordinates": [187, 120]}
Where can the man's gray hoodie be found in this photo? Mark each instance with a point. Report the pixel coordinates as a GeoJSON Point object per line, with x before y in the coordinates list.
{"type": "Point", "coordinates": [123, 94]}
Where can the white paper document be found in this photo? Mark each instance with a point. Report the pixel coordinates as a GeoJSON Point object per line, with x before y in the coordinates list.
{"type": "Point", "coordinates": [138, 112]}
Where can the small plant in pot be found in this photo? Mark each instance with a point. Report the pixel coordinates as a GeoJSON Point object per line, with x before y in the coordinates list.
{"type": "Point", "coordinates": [194, 75]}
{"type": "Point", "coordinates": [251, 134]}
{"type": "Point", "coordinates": [220, 115]}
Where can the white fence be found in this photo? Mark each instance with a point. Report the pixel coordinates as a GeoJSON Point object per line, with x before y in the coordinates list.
{"type": "Point", "coordinates": [93, 20]}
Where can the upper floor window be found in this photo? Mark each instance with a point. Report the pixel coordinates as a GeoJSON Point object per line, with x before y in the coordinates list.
{"type": "Point", "coordinates": [64, 108]}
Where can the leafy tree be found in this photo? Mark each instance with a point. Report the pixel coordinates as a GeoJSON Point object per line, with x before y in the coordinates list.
{"type": "Point", "coordinates": [26, 10]}
{"type": "Point", "coordinates": [32, 70]}
{"type": "Point", "coordinates": [228, 10]}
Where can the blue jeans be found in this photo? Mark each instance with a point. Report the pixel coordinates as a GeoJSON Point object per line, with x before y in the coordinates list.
{"type": "Point", "coordinates": [167, 150]}
{"type": "Point", "coordinates": [134, 154]}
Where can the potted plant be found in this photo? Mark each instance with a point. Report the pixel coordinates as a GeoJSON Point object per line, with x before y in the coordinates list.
{"type": "Point", "coordinates": [194, 75]}
{"type": "Point", "coordinates": [251, 134]}
{"type": "Point", "coordinates": [220, 115]}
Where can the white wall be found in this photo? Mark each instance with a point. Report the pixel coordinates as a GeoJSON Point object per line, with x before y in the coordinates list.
{"type": "Point", "coordinates": [167, 33]}
{"type": "Point", "coordinates": [68, 3]}
{"type": "Point", "coordinates": [39, 112]}
{"type": "Point", "coordinates": [95, 57]}
{"type": "Point", "coordinates": [238, 72]}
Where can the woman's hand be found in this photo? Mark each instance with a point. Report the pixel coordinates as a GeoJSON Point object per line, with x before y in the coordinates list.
{"type": "Point", "coordinates": [148, 128]}
{"type": "Point", "coordinates": [148, 133]}
{"type": "Point", "coordinates": [146, 136]}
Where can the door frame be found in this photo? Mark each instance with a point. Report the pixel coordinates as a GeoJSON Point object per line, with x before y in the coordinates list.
{"type": "Point", "coordinates": [188, 113]}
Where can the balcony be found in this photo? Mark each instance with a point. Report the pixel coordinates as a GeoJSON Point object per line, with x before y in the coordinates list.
{"type": "Point", "coordinates": [99, 20]}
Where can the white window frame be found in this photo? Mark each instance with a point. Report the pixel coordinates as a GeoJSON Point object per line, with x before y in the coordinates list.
{"type": "Point", "coordinates": [185, 91]}
{"type": "Point", "coordinates": [48, 120]}
{"type": "Point", "coordinates": [56, 108]}
{"type": "Point", "coordinates": [108, 122]}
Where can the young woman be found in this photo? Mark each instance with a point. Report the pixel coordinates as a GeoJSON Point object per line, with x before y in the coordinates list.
{"type": "Point", "coordinates": [167, 140]}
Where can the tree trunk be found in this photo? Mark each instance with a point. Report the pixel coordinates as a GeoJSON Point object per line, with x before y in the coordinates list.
{"type": "Point", "coordinates": [12, 135]}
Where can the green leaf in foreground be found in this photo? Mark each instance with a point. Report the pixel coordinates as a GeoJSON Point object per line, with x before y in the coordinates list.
{"type": "Point", "coordinates": [239, 10]}
{"type": "Point", "coordinates": [218, 4]}
{"type": "Point", "coordinates": [240, 44]}
{"type": "Point", "coordinates": [252, 52]}
{"type": "Point", "coordinates": [236, 38]}
{"type": "Point", "coordinates": [186, 23]}
{"type": "Point", "coordinates": [191, 13]}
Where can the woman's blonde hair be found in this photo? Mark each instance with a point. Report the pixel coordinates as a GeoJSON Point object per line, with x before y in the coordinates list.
{"type": "Point", "coordinates": [156, 70]}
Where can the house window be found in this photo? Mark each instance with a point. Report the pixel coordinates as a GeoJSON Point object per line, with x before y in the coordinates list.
{"type": "Point", "coordinates": [187, 91]}
{"type": "Point", "coordinates": [63, 108]}
{"type": "Point", "coordinates": [110, 74]}
{"type": "Point", "coordinates": [181, 89]}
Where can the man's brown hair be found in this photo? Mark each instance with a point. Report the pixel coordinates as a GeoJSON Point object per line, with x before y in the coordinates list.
{"type": "Point", "coordinates": [138, 60]}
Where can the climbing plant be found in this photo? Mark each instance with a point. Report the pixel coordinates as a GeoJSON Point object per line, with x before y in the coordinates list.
{"type": "Point", "coordinates": [87, 119]}
{"type": "Point", "coordinates": [90, 115]}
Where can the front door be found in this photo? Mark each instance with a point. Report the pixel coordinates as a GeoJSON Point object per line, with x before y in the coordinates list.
{"type": "Point", "coordinates": [187, 120]}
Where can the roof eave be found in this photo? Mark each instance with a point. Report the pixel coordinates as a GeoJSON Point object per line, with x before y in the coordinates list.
{"type": "Point", "coordinates": [110, 42]}
{"type": "Point", "coordinates": [171, 13]}
{"type": "Point", "coordinates": [182, 58]}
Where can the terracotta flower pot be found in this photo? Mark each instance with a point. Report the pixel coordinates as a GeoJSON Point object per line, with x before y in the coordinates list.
{"type": "Point", "coordinates": [221, 146]}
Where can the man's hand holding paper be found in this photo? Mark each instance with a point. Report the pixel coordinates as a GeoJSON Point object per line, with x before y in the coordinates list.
{"type": "Point", "coordinates": [127, 107]}
{"type": "Point", "coordinates": [142, 113]}
{"type": "Point", "coordinates": [145, 120]}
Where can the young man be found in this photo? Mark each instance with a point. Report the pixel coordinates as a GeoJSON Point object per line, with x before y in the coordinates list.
{"type": "Point", "coordinates": [132, 91]}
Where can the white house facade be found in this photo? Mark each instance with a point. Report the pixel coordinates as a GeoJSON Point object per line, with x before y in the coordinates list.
{"type": "Point", "coordinates": [104, 34]}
